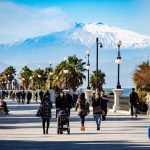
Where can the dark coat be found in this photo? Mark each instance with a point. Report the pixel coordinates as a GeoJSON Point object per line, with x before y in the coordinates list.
{"type": "Point", "coordinates": [41, 94]}
{"type": "Point", "coordinates": [69, 101]}
{"type": "Point", "coordinates": [104, 101]}
{"type": "Point", "coordinates": [23, 94]}
{"type": "Point", "coordinates": [29, 95]}
{"type": "Point", "coordinates": [95, 104]}
{"type": "Point", "coordinates": [60, 102]}
{"type": "Point", "coordinates": [82, 107]}
{"type": "Point", "coordinates": [134, 99]}
{"type": "Point", "coordinates": [46, 107]}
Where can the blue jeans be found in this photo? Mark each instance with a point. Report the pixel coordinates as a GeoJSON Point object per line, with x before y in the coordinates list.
{"type": "Point", "coordinates": [82, 120]}
{"type": "Point", "coordinates": [97, 118]}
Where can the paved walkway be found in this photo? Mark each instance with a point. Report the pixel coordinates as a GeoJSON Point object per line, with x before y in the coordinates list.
{"type": "Point", "coordinates": [21, 130]}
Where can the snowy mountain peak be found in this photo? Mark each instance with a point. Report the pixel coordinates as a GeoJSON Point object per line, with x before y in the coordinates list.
{"type": "Point", "coordinates": [109, 35]}
{"type": "Point", "coordinates": [99, 23]}
{"type": "Point", "coordinates": [79, 25]}
{"type": "Point", "coordinates": [85, 35]}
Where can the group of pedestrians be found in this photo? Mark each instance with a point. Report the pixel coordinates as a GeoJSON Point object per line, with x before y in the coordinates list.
{"type": "Point", "coordinates": [64, 101]}
{"type": "Point", "coordinates": [21, 96]}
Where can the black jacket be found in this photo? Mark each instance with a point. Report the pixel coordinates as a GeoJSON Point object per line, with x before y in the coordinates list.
{"type": "Point", "coordinates": [95, 104]}
{"type": "Point", "coordinates": [134, 99]}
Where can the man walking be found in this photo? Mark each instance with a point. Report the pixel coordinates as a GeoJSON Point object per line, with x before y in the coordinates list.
{"type": "Point", "coordinates": [29, 97]}
{"type": "Point", "coordinates": [134, 100]}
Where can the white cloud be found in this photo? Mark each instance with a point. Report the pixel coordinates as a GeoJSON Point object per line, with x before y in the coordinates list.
{"type": "Point", "coordinates": [20, 21]}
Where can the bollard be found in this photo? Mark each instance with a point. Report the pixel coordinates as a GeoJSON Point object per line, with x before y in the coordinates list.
{"type": "Point", "coordinates": [149, 132]}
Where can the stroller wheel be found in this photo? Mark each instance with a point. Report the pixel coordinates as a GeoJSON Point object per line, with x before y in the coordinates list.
{"type": "Point", "coordinates": [68, 130]}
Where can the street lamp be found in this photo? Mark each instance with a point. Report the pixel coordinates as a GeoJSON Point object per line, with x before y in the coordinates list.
{"type": "Point", "coordinates": [88, 68]}
{"type": "Point", "coordinates": [101, 45]}
{"type": "Point", "coordinates": [50, 74]}
{"type": "Point", "coordinates": [66, 71]}
{"type": "Point", "coordinates": [50, 63]}
{"type": "Point", "coordinates": [39, 76]}
{"type": "Point", "coordinates": [118, 61]}
{"type": "Point", "coordinates": [23, 79]}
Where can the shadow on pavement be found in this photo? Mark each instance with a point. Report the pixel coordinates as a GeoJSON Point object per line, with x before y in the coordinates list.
{"type": "Point", "coordinates": [71, 145]}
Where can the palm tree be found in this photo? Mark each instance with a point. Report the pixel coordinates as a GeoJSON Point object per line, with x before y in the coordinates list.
{"type": "Point", "coordinates": [39, 79]}
{"type": "Point", "coordinates": [101, 80]}
{"type": "Point", "coordinates": [141, 76]}
{"type": "Point", "coordinates": [8, 75]}
{"type": "Point", "coordinates": [75, 75]}
{"type": "Point", "coordinates": [49, 75]}
{"type": "Point", "coordinates": [26, 77]}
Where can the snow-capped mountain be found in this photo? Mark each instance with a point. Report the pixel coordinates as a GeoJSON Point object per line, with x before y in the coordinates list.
{"type": "Point", "coordinates": [108, 35]}
{"type": "Point", "coordinates": [76, 41]}
{"type": "Point", "coordinates": [85, 35]}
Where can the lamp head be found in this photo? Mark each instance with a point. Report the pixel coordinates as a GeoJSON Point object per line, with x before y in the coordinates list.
{"type": "Point", "coordinates": [87, 67]}
{"type": "Point", "coordinates": [119, 43]}
{"type": "Point", "coordinates": [39, 76]}
{"type": "Point", "coordinates": [50, 73]}
{"type": "Point", "coordinates": [50, 62]}
{"type": "Point", "coordinates": [101, 45]}
{"type": "Point", "coordinates": [88, 53]}
{"type": "Point", "coordinates": [118, 61]}
{"type": "Point", "coordinates": [66, 71]}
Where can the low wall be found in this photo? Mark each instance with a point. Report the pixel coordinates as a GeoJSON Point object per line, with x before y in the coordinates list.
{"type": "Point", "coordinates": [124, 102]}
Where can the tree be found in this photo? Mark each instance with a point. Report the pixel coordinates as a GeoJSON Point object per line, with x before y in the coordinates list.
{"type": "Point", "coordinates": [74, 77]}
{"type": "Point", "coordinates": [101, 79]}
{"type": "Point", "coordinates": [49, 75]}
{"type": "Point", "coordinates": [141, 78]}
{"type": "Point", "coordinates": [26, 77]}
{"type": "Point", "coordinates": [39, 79]}
{"type": "Point", "coordinates": [8, 75]}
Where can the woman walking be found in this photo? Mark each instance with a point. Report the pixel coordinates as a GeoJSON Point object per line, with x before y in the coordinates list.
{"type": "Point", "coordinates": [45, 108]}
{"type": "Point", "coordinates": [82, 107]}
{"type": "Point", "coordinates": [97, 111]}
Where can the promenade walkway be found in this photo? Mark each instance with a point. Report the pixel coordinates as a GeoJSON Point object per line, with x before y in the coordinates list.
{"type": "Point", "coordinates": [21, 130]}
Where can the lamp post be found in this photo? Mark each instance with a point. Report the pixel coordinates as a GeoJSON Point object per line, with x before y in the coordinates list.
{"type": "Point", "coordinates": [66, 72]}
{"type": "Point", "coordinates": [118, 61]}
{"type": "Point", "coordinates": [50, 63]}
{"type": "Point", "coordinates": [88, 68]}
{"type": "Point", "coordinates": [101, 45]}
{"type": "Point", "coordinates": [39, 76]}
{"type": "Point", "coordinates": [50, 79]}
{"type": "Point", "coordinates": [30, 84]}
{"type": "Point", "coordinates": [23, 79]}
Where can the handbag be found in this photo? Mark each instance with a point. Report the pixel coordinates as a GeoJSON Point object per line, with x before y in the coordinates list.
{"type": "Point", "coordinates": [97, 109]}
{"type": "Point", "coordinates": [82, 112]}
{"type": "Point", "coordinates": [39, 113]}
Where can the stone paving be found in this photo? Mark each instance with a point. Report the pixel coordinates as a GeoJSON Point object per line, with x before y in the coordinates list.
{"type": "Point", "coordinates": [21, 130]}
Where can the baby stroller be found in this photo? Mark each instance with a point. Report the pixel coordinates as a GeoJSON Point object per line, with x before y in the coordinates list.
{"type": "Point", "coordinates": [63, 121]}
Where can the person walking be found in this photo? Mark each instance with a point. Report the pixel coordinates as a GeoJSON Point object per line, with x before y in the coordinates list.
{"type": "Point", "coordinates": [60, 102]}
{"type": "Point", "coordinates": [148, 104]}
{"type": "Point", "coordinates": [97, 109]}
{"type": "Point", "coordinates": [69, 102]}
{"type": "Point", "coordinates": [29, 97]}
{"type": "Point", "coordinates": [41, 94]}
{"type": "Point", "coordinates": [23, 96]}
{"type": "Point", "coordinates": [3, 104]}
{"type": "Point", "coordinates": [36, 96]}
{"type": "Point", "coordinates": [104, 101]}
{"type": "Point", "coordinates": [18, 96]}
{"type": "Point", "coordinates": [82, 108]}
{"type": "Point", "coordinates": [45, 108]}
{"type": "Point", "coordinates": [134, 100]}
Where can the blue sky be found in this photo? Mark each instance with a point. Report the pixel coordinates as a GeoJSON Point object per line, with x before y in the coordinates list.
{"type": "Point", "coordinates": [126, 14]}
